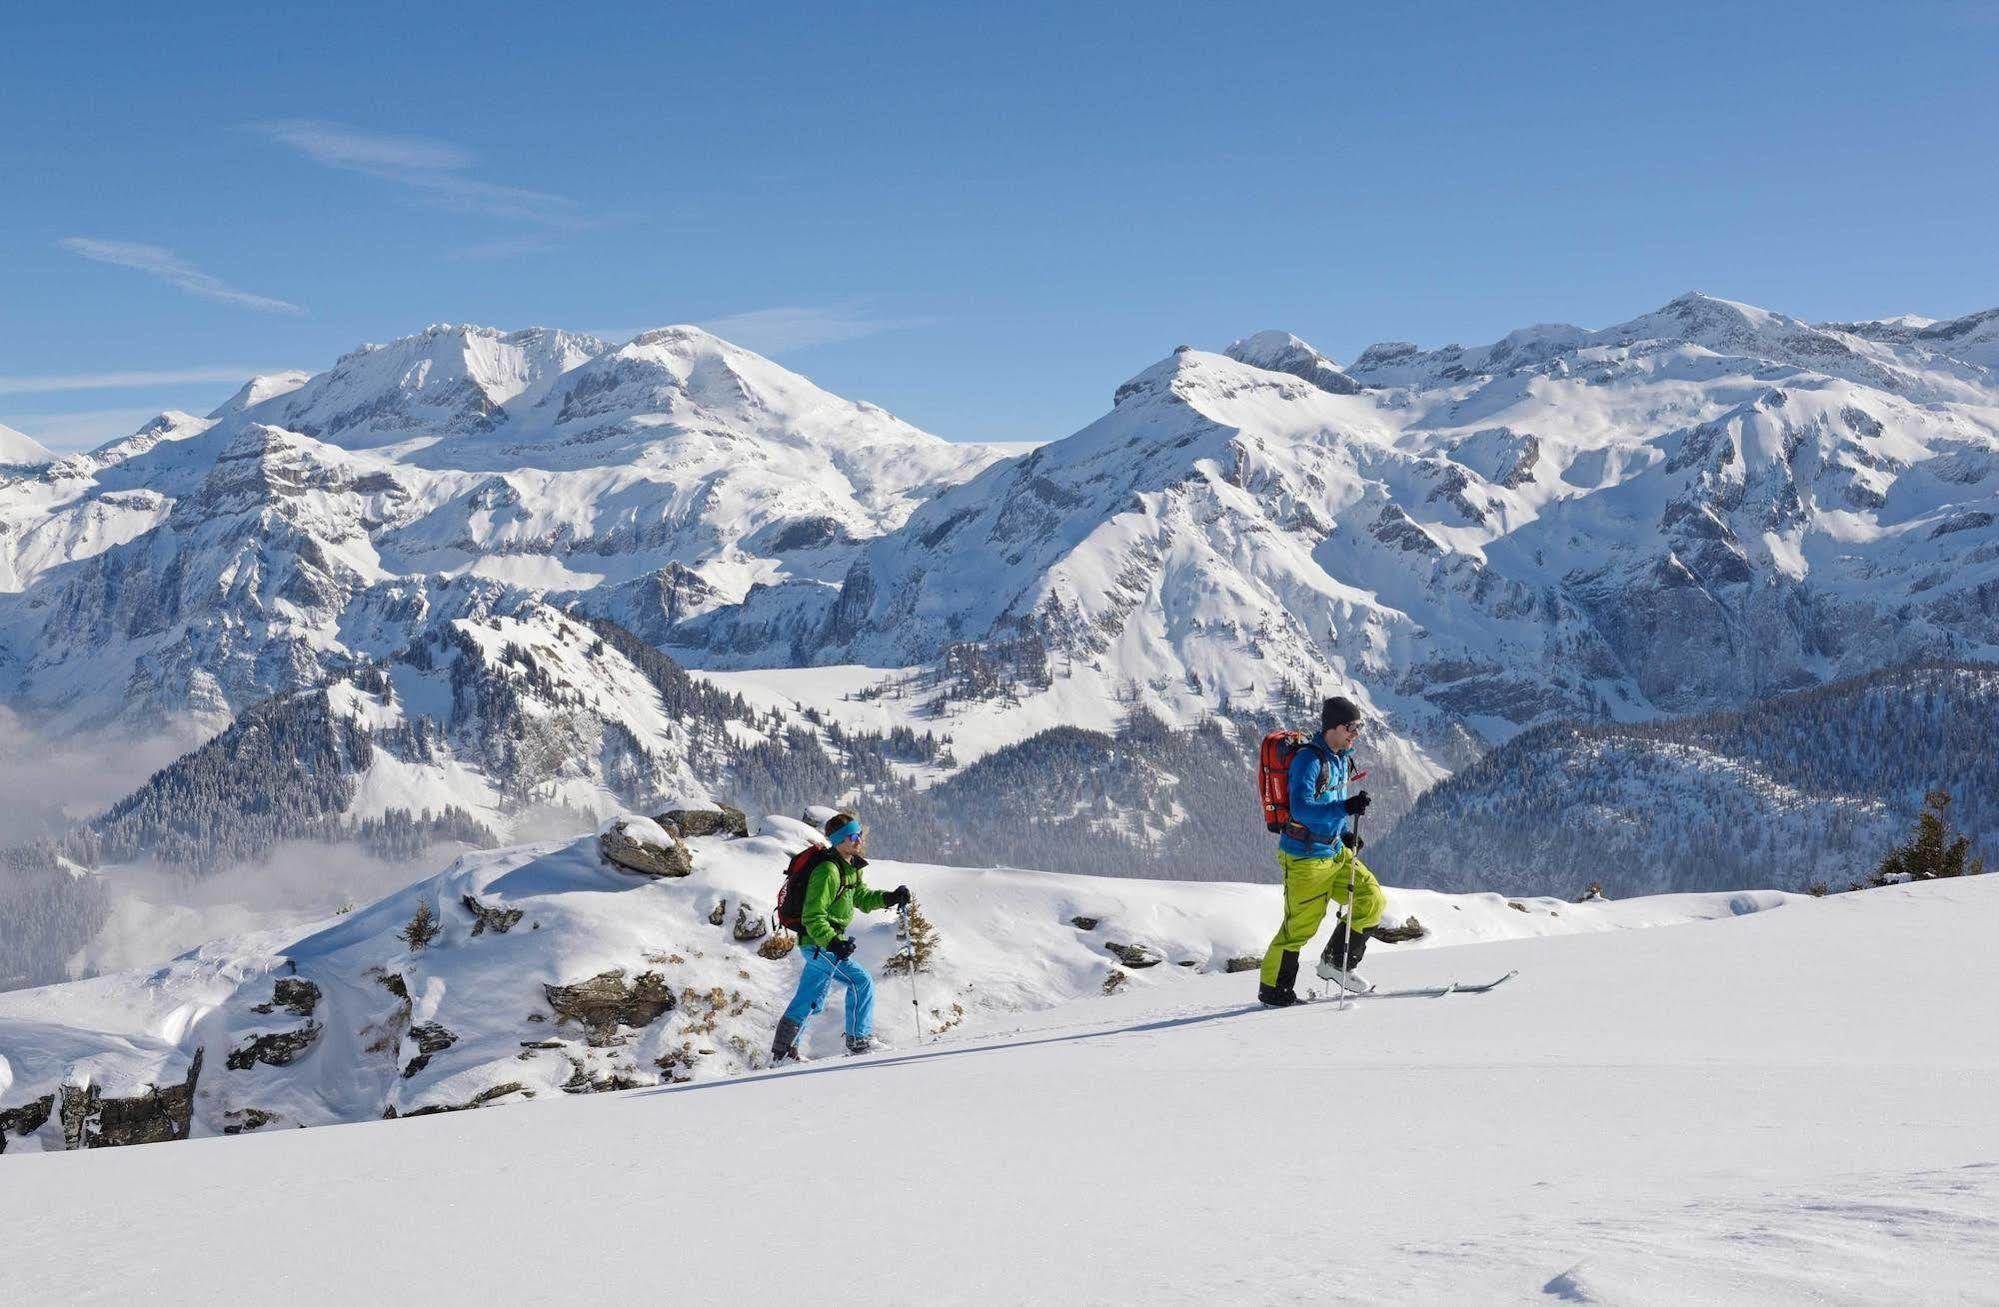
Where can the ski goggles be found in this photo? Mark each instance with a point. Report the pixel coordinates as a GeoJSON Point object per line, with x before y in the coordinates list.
{"type": "Point", "coordinates": [841, 834]}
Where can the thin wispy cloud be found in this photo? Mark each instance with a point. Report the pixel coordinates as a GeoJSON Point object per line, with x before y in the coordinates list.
{"type": "Point", "coordinates": [54, 383]}
{"type": "Point", "coordinates": [440, 173]}
{"type": "Point", "coordinates": [782, 329]}
{"type": "Point", "coordinates": [169, 267]}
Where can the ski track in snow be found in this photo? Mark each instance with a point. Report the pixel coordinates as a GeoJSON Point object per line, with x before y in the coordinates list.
{"type": "Point", "coordinates": [1708, 1113]}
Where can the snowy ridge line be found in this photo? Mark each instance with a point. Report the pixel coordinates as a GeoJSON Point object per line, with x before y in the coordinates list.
{"type": "Point", "coordinates": [547, 971]}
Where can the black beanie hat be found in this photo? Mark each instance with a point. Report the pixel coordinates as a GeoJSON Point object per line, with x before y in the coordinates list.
{"type": "Point", "coordinates": [1339, 711]}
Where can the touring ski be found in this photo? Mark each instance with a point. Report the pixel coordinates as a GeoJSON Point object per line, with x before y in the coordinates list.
{"type": "Point", "coordinates": [1437, 991]}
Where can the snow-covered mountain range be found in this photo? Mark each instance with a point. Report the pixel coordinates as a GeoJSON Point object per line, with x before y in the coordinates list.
{"type": "Point", "coordinates": [313, 523]}
{"type": "Point", "coordinates": [470, 546]}
{"type": "Point", "coordinates": [1700, 506]}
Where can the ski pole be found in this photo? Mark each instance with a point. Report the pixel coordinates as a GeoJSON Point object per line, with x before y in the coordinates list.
{"type": "Point", "coordinates": [1346, 961]}
{"type": "Point", "coordinates": [909, 951]}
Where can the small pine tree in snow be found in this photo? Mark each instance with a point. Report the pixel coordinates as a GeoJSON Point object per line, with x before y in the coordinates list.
{"type": "Point", "coordinates": [422, 929]}
{"type": "Point", "coordinates": [922, 935]}
{"type": "Point", "coordinates": [1932, 854]}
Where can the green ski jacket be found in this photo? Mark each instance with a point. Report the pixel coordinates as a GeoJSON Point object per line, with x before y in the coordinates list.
{"type": "Point", "coordinates": [832, 894]}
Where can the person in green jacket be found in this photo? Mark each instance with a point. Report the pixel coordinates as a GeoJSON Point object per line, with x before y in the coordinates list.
{"type": "Point", "coordinates": [832, 895]}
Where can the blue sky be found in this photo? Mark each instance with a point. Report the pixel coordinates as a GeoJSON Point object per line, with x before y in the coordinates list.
{"type": "Point", "coordinates": [981, 217]}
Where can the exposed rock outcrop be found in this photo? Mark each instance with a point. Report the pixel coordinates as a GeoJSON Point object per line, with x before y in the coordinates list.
{"type": "Point", "coordinates": [749, 927]}
{"type": "Point", "coordinates": [498, 920]}
{"type": "Point", "coordinates": [279, 1049]}
{"type": "Point", "coordinates": [300, 996]}
{"type": "Point", "coordinates": [606, 1001]}
{"type": "Point", "coordinates": [479, 1099]}
{"type": "Point", "coordinates": [430, 1039]}
{"type": "Point", "coordinates": [1409, 929]}
{"type": "Point", "coordinates": [25, 1119]}
{"type": "Point", "coordinates": [245, 1119]}
{"type": "Point", "coordinates": [1136, 955]}
{"type": "Point", "coordinates": [719, 820]}
{"type": "Point", "coordinates": [154, 1115]}
{"type": "Point", "coordinates": [637, 848]}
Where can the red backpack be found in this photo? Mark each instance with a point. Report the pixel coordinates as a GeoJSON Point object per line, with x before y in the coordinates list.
{"type": "Point", "coordinates": [1273, 777]}
{"type": "Point", "coordinates": [791, 895]}
{"type": "Point", "coordinates": [1273, 782]}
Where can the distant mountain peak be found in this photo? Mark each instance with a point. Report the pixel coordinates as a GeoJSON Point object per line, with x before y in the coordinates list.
{"type": "Point", "coordinates": [1280, 351]}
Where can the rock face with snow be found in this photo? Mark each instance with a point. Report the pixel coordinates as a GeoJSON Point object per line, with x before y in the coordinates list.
{"type": "Point", "coordinates": [1280, 351]}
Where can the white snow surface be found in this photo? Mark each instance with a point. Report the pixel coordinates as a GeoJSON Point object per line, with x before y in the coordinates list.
{"type": "Point", "coordinates": [1717, 1110]}
{"type": "Point", "coordinates": [20, 447]}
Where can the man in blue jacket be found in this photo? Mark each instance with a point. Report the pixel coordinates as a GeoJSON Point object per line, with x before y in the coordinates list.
{"type": "Point", "coordinates": [1319, 855]}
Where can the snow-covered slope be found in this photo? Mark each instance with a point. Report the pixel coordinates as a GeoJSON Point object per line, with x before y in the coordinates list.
{"type": "Point", "coordinates": [695, 991]}
{"type": "Point", "coordinates": [18, 447]}
{"type": "Point", "coordinates": [1711, 1112]}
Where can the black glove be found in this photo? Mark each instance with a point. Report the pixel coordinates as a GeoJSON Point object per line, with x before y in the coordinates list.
{"type": "Point", "coordinates": [1352, 841]}
{"type": "Point", "coordinates": [842, 948]}
{"type": "Point", "coordinates": [1357, 803]}
{"type": "Point", "coordinates": [897, 897]}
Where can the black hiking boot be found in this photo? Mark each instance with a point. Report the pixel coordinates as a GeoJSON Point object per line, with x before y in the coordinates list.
{"type": "Point", "coordinates": [1285, 992]}
{"type": "Point", "coordinates": [1272, 996]}
{"type": "Point", "coordinates": [785, 1044]}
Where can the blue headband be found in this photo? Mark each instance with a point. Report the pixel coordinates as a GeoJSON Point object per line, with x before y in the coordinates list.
{"type": "Point", "coordinates": [841, 834]}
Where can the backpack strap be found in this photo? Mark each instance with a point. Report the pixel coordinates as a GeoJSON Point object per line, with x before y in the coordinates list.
{"type": "Point", "coordinates": [1296, 829]}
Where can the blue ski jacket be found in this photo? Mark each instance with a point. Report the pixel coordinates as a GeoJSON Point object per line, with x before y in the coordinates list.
{"type": "Point", "coordinates": [1318, 799]}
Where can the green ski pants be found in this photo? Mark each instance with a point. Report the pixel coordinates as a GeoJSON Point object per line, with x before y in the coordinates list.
{"type": "Point", "coordinates": [1310, 885]}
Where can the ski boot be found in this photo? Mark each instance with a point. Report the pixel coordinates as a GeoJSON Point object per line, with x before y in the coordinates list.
{"type": "Point", "coordinates": [1339, 962]}
{"type": "Point", "coordinates": [785, 1045]}
{"type": "Point", "coordinates": [1285, 992]}
{"type": "Point", "coordinates": [858, 1044]}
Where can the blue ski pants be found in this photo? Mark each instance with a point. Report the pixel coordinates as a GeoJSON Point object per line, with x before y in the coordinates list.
{"type": "Point", "coordinates": [821, 970]}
